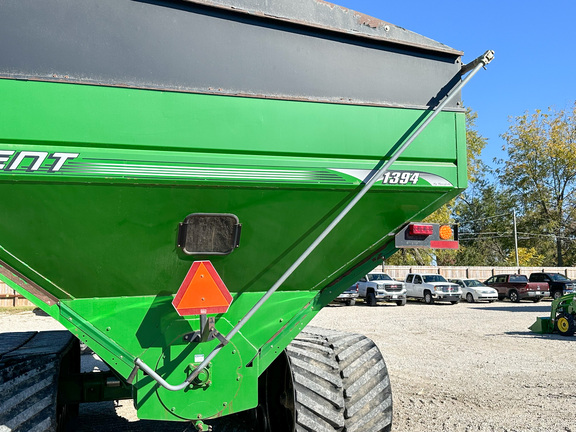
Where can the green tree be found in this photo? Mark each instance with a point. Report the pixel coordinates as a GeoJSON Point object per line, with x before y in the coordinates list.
{"type": "Point", "coordinates": [475, 144]}
{"type": "Point", "coordinates": [484, 214]}
{"type": "Point", "coordinates": [541, 172]}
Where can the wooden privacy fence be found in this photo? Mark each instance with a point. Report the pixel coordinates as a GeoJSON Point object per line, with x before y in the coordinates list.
{"type": "Point", "coordinates": [480, 273]}
{"type": "Point", "coordinates": [11, 298]}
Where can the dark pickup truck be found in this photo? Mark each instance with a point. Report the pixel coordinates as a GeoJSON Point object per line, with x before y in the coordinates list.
{"type": "Point", "coordinates": [558, 284]}
{"type": "Point", "coordinates": [517, 287]}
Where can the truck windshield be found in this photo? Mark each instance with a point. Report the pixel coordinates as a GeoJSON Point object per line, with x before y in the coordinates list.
{"type": "Point", "coordinates": [558, 277]}
{"type": "Point", "coordinates": [518, 278]}
{"type": "Point", "coordinates": [433, 278]}
{"type": "Point", "coordinates": [379, 276]}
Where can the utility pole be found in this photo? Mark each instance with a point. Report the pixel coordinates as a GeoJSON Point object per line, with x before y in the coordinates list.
{"type": "Point", "coordinates": [515, 238]}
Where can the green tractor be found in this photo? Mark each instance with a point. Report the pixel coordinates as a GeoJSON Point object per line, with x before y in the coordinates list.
{"type": "Point", "coordinates": [562, 317]}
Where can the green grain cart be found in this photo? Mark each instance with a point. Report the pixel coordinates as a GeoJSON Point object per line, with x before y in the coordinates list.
{"type": "Point", "coordinates": [185, 184]}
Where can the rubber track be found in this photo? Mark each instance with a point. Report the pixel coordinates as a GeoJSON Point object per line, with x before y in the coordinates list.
{"type": "Point", "coordinates": [29, 369]}
{"type": "Point", "coordinates": [317, 385]}
{"type": "Point", "coordinates": [341, 382]}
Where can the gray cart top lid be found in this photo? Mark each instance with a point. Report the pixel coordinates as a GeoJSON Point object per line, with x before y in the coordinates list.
{"type": "Point", "coordinates": [322, 14]}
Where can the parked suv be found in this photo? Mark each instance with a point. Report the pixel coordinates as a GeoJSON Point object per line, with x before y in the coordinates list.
{"type": "Point", "coordinates": [431, 288]}
{"type": "Point", "coordinates": [558, 284]}
{"type": "Point", "coordinates": [377, 286]}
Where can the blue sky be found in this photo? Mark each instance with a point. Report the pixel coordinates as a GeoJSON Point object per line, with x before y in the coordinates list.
{"type": "Point", "coordinates": [535, 45]}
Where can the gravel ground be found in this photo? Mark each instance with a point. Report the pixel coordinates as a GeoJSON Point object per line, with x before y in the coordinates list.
{"type": "Point", "coordinates": [465, 367]}
{"type": "Point", "coordinates": [469, 367]}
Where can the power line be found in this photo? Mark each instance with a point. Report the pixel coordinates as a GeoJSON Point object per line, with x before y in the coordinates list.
{"type": "Point", "coordinates": [493, 234]}
{"type": "Point", "coordinates": [486, 218]}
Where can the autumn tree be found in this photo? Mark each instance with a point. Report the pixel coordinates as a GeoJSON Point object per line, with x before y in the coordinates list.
{"type": "Point", "coordinates": [527, 257]}
{"type": "Point", "coordinates": [541, 172]}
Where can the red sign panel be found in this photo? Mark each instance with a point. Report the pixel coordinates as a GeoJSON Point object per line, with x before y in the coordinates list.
{"type": "Point", "coordinates": [202, 292]}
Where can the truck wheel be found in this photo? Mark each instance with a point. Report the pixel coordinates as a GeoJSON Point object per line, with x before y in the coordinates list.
{"type": "Point", "coordinates": [326, 381]}
{"type": "Point", "coordinates": [428, 299]}
{"type": "Point", "coordinates": [565, 324]}
{"type": "Point", "coordinates": [31, 364]}
{"type": "Point", "coordinates": [401, 302]}
{"type": "Point", "coordinates": [351, 302]}
{"type": "Point", "coordinates": [469, 298]}
{"type": "Point", "coordinates": [514, 297]}
{"type": "Point", "coordinates": [556, 295]}
{"type": "Point", "coordinates": [371, 298]}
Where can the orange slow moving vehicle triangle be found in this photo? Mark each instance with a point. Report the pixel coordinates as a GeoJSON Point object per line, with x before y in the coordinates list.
{"type": "Point", "coordinates": [202, 292]}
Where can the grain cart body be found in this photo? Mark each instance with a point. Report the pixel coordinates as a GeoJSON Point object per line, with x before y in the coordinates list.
{"type": "Point", "coordinates": [138, 138]}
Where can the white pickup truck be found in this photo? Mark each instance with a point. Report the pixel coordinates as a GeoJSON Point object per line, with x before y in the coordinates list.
{"type": "Point", "coordinates": [376, 286]}
{"type": "Point", "coordinates": [431, 288]}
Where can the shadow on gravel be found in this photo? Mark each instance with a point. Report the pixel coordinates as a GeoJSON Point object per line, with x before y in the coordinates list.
{"type": "Point", "coordinates": [360, 304]}
{"type": "Point", "coordinates": [518, 308]}
{"type": "Point", "coordinates": [102, 417]}
{"type": "Point", "coordinates": [548, 336]}
{"type": "Point", "coordinates": [110, 422]}
{"type": "Point", "coordinates": [39, 312]}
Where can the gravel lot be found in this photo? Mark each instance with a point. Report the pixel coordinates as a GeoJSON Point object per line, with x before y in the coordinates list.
{"type": "Point", "coordinates": [469, 367]}
{"type": "Point", "coordinates": [465, 367]}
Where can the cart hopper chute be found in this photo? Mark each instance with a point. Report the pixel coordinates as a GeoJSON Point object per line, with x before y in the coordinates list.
{"type": "Point", "coordinates": [138, 138]}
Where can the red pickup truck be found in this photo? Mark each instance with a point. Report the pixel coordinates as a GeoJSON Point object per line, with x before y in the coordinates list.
{"type": "Point", "coordinates": [516, 287]}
